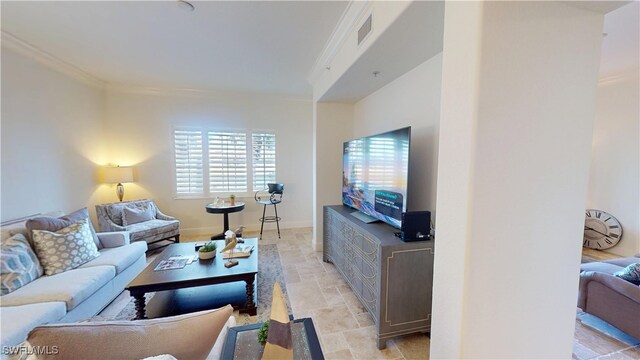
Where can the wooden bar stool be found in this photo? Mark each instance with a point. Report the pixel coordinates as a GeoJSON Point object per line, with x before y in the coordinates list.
{"type": "Point", "coordinates": [270, 196]}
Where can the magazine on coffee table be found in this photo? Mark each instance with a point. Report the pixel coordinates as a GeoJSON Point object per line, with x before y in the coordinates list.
{"type": "Point", "coordinates": [172, 263]}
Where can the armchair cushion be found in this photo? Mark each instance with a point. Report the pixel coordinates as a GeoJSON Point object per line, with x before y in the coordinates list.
{"type": "Point", "coordinates": [153, 229]}
{"type": "Point", "coordinates": [132, 216]}
{"type": "Point", "coordinates": [114, 239]}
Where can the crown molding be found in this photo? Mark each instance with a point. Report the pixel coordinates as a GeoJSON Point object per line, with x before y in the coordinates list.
{"type": "Point", "coordinates": [628, 74]}
{"type": "Point", "coordinates": [190, 92]}
{"type": "Point", "coordinates": [350, 18]}
{"type": "Point", "coordinates": [12, 42]}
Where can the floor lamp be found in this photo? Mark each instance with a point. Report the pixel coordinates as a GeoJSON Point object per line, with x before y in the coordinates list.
{"type": "Point", "coordinates": [118, 175]}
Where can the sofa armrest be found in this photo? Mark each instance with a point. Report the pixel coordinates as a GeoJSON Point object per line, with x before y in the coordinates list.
{"type": "Point", "coordinates": [161, 216]}
{"type": "Point", "coordinates": [114, 239]}
{"type": "Point", "coordinates": [614, 283]}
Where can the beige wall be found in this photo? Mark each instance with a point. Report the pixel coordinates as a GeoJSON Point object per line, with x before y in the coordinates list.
{"type": "Point", "coordinates": [52, 139]}
{"type": "Point", "coordinates": [332, 126]}
{"type": "Point", "coordinates": [615, 163]}
{"type": "Point", "coordinates": [140, 124]}
{"type": "Point", "coordinates": [411, 100]}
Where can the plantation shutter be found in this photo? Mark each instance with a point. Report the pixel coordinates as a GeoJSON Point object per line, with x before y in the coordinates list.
{"type": "Point", "coordinates": [227, 161]}
{"type": "Point", "coordinates": [188, 162]}
{"type": "Point", "coordinates": [263, 159]}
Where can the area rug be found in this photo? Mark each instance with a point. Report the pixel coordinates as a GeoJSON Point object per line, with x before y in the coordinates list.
{"type": "Point", "coordinates": [269, 271]}
{"type": "Point", "coordinates": [606, 328]}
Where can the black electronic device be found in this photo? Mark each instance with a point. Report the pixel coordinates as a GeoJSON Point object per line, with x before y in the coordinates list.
{"type": "Point", "coordinates": [416, 226]}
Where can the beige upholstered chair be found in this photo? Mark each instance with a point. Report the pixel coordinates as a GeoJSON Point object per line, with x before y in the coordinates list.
{"type": "Point", "coordinates": [154, 227]}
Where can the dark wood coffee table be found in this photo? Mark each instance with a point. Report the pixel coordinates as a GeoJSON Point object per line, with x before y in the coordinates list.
{"type": "Point", "coordinates": [203, 284]}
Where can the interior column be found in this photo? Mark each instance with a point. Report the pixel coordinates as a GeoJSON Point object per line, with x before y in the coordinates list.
{"type": "Point", "coordinates": [518, 101]}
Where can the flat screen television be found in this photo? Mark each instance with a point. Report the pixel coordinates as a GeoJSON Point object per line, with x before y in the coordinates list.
{"type": "Point", "coordinates": [375, 172]}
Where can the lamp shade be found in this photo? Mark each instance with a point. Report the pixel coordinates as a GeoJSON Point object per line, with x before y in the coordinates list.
{"type": "Point", "coordinates": [119, 174]}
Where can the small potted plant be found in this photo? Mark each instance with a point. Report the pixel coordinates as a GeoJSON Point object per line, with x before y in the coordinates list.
{"type": "Point", "coordinates": [207, 251]}
{"type": "Point", "coordinates": [232, 200]}
{"type": "Point", "coordinates": [263, 333]}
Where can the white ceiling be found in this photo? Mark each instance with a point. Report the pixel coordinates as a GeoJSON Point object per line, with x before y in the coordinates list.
{"type": "Point", "coordinates": [238, 46]}
{"type": "Point", "coordinates": [621, 46]}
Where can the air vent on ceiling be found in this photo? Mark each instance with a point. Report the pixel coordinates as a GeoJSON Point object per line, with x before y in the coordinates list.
{"type": "Point", "coordinates": [364, 30]}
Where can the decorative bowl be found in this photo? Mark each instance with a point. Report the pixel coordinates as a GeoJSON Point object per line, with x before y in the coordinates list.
{"type": "Point", "coordinates": [206, 255]}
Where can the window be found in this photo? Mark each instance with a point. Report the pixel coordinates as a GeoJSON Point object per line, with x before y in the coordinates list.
{"type": "Point", "coordinates": [228, 161]}
{"type": "Point", "coordinates": [264, 159]}
{"type": "Point", "coordinates": [188, 162]}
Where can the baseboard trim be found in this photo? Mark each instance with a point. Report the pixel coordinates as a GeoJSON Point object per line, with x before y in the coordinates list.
{"type": "Point", "coordinates": [194, 231]}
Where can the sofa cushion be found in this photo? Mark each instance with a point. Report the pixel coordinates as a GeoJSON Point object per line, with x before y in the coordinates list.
{"type": "Point", "coordinates": [120, 257]}
{"type": "Point", "coordinates": [18, 264]}
{"type": "Point", "coordinates": [54, 224]}
{"type": "Point", "coordinates": [623, 262]}
{"type": "Point", "coordinates": [71, 287]}
{"type": "Point", "coordinates": [133, 215]}
{"type": "Point", "coordinates": [600, 267]}
{"type": "Point", "coordinates": [152, 227]}
{"type": "Point", "coordinates": [189, 336]}
{"type": "Point", "coordinates": [66, 249]}
{"type": "Point", "coordinates": [17, 321]}
{"type": "Point", "coordinates": [630, 273]}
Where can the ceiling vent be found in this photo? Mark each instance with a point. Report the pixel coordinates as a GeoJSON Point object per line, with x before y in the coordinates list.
{"type": "Point", "coordinates": [364, 30]}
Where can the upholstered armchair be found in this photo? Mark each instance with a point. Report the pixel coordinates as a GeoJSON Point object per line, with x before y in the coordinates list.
{"type": "Point", "coordinates": [141, 218]}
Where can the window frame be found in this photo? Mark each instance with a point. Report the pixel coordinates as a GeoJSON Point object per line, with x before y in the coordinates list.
{"type": "Point", "coordinates": [204, 131]}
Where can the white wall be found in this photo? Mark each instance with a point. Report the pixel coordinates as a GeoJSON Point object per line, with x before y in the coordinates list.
{"type": "Point", "coordinates": [140, 124]}
{"type": "Point", "coordinates": [411, 100]}
{"type": "Point", "coordinates": [52, 139]}
{"type": "Point", "coordinates": [615, 163]}
{"type": "Point", "coordinates": [519, 86]}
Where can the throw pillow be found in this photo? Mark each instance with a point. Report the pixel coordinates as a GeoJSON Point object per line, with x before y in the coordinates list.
{"type": "Point", "coordinates": [137, 215]}
{"type": "Point", "coordinates": [54, 224]}
{"type": "Point", "coordinates": [66, 249]}
{"type": "Point", "coordinates": [631, 273]}
{"type": "Point", "coordinates": [189, 336]}
{"type": "Point", "coordinates": [18, 264]}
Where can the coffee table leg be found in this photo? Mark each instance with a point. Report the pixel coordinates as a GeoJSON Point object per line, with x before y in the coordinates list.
{"type": "Point", "coordinates": [250, 308]}
{"type": "Point", "coordinates": [140, 310]}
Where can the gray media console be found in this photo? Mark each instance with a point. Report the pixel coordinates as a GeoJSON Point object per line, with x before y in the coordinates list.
{"type": "Point", "coordinates": [393, 279]}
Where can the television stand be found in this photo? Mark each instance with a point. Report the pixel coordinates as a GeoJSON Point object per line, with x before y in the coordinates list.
{"type": "Point", "coordinates": [391, 278]}
{"type": "Point", "coordinates": [364, 217]}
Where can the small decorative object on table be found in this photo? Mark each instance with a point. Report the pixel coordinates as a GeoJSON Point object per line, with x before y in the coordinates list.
{"type": "Point", "coordinates": [232, 200]}
{"type": "Point", "coordinates": [207, 251]}
{"type": "Point", "coordinates": [263, 333]}
{"type": "Point", "coordinates": [230, 240]}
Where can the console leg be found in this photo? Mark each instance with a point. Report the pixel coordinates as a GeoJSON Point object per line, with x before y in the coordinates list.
{"type": "Point", "coordinates": [382, 344]}
{"type": "Point", "coordinates": [140, 307]}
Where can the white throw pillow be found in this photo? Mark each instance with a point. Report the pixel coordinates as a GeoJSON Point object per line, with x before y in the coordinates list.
{"type": "Point", "coordinates": [65, 249]}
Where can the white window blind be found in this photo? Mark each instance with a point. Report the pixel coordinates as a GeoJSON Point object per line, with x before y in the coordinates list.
{"type": "Point", "coordinates": [263, 159]}
{"type": "Point", "coordinates": [227, 161]}
{"type": "Point", "coordinates": [188, 162]}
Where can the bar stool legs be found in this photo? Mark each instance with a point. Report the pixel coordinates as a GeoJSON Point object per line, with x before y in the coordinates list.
{"type": "Point", "coordinates": [275, 208]}
{"type": "Point", "coordinates": [264, 219]}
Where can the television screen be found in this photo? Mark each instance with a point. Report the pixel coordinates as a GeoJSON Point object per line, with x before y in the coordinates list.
{"type": "Point", "coordinates": [375, 171]}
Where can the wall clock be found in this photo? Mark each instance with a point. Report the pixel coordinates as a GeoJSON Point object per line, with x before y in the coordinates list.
{"type": "Point", "coordinates": [601, 230]}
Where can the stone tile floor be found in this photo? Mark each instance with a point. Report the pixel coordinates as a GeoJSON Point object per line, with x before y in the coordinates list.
{"type": "Point", "coordinates": [344, 327]}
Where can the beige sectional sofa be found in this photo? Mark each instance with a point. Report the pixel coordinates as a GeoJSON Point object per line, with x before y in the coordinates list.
{"type": "Point", "coordinates": [73, 295]}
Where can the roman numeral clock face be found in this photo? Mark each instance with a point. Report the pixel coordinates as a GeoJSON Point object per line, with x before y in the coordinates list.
{"type": "Point", "coordinates": [601, 230]}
